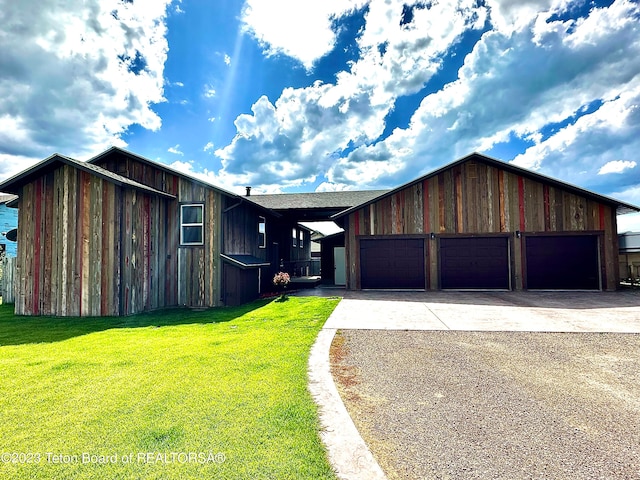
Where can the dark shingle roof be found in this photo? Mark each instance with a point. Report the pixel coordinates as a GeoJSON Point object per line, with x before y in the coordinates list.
{"type": "Point", "coordinates": [325, 200]}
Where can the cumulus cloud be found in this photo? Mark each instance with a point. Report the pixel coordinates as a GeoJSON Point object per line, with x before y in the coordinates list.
{"type": "Point", "coordinates": [533, 76]}
{"type": "Point", "coordinates": [522, 84]}
{"type": "Point", "coordinates": [616, 166]}
{"type": "Point", "coordinates": [307, 130]}
{"type": "Point", "coordinates": [75, 75]}
{"type": "Point", "coordinates": [298, 29]}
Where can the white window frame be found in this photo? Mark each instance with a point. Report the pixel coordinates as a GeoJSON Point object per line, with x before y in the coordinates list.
{"type": "Point", "coordinates": [197, 224]}
{"type": "Point", "coordinates": [294, 236]}
{"type": "Point", "coordinates": [262, 225]}
{"type": "Point", "coordinates": [301, 238]}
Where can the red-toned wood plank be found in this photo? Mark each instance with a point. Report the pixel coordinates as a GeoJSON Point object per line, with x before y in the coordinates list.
{"type": "Point", "coordinates": [441, 207]}
{"type": "Point", "coordinates": [547, 208]}
{"type": "Point", "coordinates": [521, 203]}
{"type": "Point", "coordinates": [458, 199]}
{"type": "Point", "coordinates": [426, 227]}
{"type": "Point", "coordinates": [357, 222]}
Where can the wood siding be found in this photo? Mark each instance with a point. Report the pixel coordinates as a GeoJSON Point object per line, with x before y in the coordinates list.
{"type": "Point", "coordinates": [87, 247]}
{"type": "Point", "coordinates": [193, 275]}
{"type": "Point", "coordinates": [200, 267]}
{"type": "Point", "coordinates": [474, 198]}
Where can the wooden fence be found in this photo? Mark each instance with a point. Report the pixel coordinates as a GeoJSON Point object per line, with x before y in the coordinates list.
{"type": "Point", "coordinates": [7, 288]}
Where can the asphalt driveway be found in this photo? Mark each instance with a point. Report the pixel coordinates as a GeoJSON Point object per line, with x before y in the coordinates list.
{"type": "Point", "coordinates": [513, 385]}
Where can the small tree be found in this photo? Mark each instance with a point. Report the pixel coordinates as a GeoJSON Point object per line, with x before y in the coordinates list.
{"type": "Point", "coordinates": [281, 280]}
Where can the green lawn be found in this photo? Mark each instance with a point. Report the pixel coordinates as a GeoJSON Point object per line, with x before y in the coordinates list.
{"type": "Point", "coordinates": [174, 394]}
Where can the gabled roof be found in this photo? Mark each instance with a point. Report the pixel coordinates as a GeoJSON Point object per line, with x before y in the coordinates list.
{"type": "Point", "coordinates": [159, 166]}
{"type": "Point", "coordinates": [13, 184]}
{"type": "Point", "coordinates": [172, 171]}
{"type": "Point", "coordinates": [621, 207]}
{"type": "Point", "coordinates": [320, 200]}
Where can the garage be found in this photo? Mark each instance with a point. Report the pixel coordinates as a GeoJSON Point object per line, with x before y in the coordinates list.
{"type": "Point", "coordinates": [389, 263]}
{"type": "Point", "coordinates": [562, 262]}
{"type": "Point", "coordinates": [474, 263]}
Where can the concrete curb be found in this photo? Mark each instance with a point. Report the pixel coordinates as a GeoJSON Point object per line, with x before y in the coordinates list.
{"type": "Point", "coordinates": [348, 454]}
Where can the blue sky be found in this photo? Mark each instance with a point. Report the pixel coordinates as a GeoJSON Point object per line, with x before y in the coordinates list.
{"type": "Point", "coordinates": [292, 95]}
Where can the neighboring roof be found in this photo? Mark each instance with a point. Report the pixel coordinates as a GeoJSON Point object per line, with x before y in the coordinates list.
{"type": "Point", "coordinates": [330, 237]}
{"type": "Point", "coordinates": [621, 207]}
{"type": "Point", "coordinates": [7, 198]}
{"type": "Point", "coordinates": [13, 184]}
{"type": "Point", "coordinates": [320, 200]}
{"type": "Point", "coordinates": [244, 261]}
{"type": "Point", "coordinates": [629, 242]}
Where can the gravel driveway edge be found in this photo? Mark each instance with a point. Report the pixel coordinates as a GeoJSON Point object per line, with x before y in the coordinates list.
{"type": "Point", "coordinates": [348, 453]}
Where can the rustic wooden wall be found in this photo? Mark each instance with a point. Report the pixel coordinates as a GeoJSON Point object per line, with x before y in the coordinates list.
{"type": "Point", "coordinates": [478, 198]}
{"type": "Point", "coordinates": [199, 267]}
{"type": "Point", "coordinates": [87, 247]}
{"type": "Point", "coordinates": [193, 274]}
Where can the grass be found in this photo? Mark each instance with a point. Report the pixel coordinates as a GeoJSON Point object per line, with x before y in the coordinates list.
{"type": "Point", "coordinates": [173, 394]}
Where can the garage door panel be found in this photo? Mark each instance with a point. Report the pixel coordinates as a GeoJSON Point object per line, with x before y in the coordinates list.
{"type": "Point", "coordinates": [474, 262]}
{"type": "Point", "coordinates": [567, 262]}
{"type": "Point", "coordinates": [392, 263]}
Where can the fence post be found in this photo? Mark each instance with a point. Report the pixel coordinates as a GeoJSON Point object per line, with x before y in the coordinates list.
{"type": "Point", "coordinates": [8, 280]}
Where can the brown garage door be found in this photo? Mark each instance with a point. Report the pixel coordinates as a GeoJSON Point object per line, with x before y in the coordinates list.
{"type": "Point", "coordinates": [478, 262]}
{"type": "Point", "coordinates": [562, 262]}
{"type": "Point", "coordinates": [392, 263]}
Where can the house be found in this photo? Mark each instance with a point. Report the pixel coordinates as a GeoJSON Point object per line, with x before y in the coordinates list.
{"type": "Point", "coordinates": [120, 234]}
{"type": "Point", "coordinates": [630, 256]}
{"type": "Point", "coordinates": [479, 223]}
{"type": "Point", "coordinates": [8, 224]}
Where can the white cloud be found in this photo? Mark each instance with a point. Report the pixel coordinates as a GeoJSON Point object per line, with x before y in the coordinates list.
{"type": "Point", "coordinates": [311, 127]}
{"type": "Point", "coordinates": [209, 91]}
{"type": "Point", "coordinates": [512, 85]}
{"type": "Point", "coordinates": [175, 150]}
{"type": "Point", "coordinates": [227, 59]}
{"type": "Point", "coordinates": [208, 147]}
{"type": "Point", "coordinates": [616, 166]}
{"type": "Point", "coordinates": [75, 75]}
{"type": "Point", "coordinates": [299, 29]}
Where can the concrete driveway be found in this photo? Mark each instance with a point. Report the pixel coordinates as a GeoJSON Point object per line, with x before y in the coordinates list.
{"type": "Point", "coordinates": [616, 312]}
{"type": "Point", "coordinates": [489, 311]}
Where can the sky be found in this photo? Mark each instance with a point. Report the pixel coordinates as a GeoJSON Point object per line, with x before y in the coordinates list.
{"type": "Point", "coordinates": [323, 95]}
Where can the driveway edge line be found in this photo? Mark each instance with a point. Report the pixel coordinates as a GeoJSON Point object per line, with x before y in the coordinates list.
{"type": "Point", "coordinates": [348, 453]}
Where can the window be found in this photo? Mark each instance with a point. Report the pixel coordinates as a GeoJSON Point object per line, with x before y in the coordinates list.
{"type": "Point", "coordinates": [262, 232]}
{"type": "Point", "coordinates": [294, 237]}
{"type": "Point", "coordinates": [301, 242]}
{"type": "Point", "coordinates": [191, 224]}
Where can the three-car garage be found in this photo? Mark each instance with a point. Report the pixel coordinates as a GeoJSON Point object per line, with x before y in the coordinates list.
{"type": "Point", "coordinates": [547, 262]}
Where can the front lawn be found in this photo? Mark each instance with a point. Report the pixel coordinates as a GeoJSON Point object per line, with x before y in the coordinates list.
{"type": "Point", "coordinates": [174, 394]}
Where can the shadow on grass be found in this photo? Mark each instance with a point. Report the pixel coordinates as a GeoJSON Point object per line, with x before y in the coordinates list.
{"type": "Point", "coordinates": [19, 330]}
